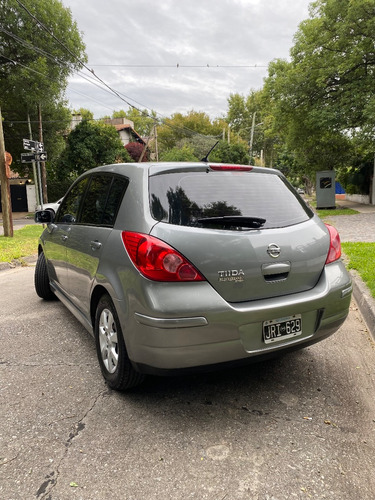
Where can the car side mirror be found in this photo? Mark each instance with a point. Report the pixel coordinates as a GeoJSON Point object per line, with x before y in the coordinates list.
{"type": "Point", "coordinates": [43, 216]}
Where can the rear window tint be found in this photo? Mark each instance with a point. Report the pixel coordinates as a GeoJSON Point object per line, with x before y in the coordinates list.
{"type": "Point", "coordinates": [102, 200]}
{"type": "Point", "coordinates": [184, 197]}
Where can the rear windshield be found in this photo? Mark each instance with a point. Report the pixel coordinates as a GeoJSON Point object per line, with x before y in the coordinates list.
{"type": "Point", "coordinates": [202, 199]}
{"type": "Point", "coordinates": [226, 200]}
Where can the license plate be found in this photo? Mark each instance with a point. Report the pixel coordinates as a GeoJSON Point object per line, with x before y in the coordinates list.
{"type": "Point", "coordinates": [275, 330]}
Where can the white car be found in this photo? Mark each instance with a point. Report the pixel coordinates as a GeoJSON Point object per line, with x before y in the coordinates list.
{"type": "Point", "coordinates": [52, 207]}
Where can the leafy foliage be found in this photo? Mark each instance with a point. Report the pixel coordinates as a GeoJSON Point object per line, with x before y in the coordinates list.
{"type": "Point", "coordinates": [230, 153]}
{"type": "Point", "coordinates": [326, 92]}
{"type": "Point", "coordinates": [135, 150]}
{"type": "Point", "coordinates": [90, 145]}
{"type": "Point", "coordinates": [34, 69]}
{"type": "Point", "coordinates": [186, 129]}
{"type": "Point", "coordinates": [179, 154]}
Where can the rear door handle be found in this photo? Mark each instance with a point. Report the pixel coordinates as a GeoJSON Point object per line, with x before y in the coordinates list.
{"type": "Point", "coordinates": [95, 245]}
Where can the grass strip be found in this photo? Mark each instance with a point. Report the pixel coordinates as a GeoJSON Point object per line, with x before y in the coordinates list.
{"type": "Point", "coordinates": [23, 244]}
{"type": "Point", "coordinates": [338, 211]}
{"type": "Point", "coordinates": [361, 257]}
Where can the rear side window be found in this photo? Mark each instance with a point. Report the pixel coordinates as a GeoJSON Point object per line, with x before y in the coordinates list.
{"type": "Point", "coordinates": [102, 200]}
{"type": "Point", "coordinates": [188, 198]}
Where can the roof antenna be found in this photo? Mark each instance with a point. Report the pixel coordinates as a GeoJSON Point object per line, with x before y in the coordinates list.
{"type": "Point", "coordinates": [205, 159]}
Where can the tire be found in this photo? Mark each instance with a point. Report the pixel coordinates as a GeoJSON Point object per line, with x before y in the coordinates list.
{"type": "Point", "coordinates": [110, 347]}
{"type": "Point", "coordinates": [41, 279]}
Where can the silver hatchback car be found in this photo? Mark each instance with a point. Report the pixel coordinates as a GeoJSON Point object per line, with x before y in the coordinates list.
{"type": "Point", "coordinates": [182, 266]}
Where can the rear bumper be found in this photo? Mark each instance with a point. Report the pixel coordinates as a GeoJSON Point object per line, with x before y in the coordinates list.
{"type": "Point", "coordinates": [189, 328]}
{"type": "Point", "coordinates": [258, 357]}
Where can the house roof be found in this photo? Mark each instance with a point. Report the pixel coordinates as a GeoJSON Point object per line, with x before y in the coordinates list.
{"type": "Point", "coordinates": [124, 126]}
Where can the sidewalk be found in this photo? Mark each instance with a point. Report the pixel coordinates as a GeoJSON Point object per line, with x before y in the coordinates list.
{"type": "Point", "coordinates": [364, 209]}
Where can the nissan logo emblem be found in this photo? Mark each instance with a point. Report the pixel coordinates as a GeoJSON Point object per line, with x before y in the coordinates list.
{"type": "Point", "coordinates": [273, 250]}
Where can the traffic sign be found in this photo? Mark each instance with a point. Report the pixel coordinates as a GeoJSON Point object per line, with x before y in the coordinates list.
{"type": "Point", "coordinates": [30, 157]}
{"type": "Point", "coordinates": [32, 145]}
{"type": "Point", "coordinates": [27, 157]}
{"type": "Point", "coordinates": [42, 156]}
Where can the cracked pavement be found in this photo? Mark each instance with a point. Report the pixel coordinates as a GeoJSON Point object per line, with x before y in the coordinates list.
{"type": "Point", "coordinates": [301, 426]}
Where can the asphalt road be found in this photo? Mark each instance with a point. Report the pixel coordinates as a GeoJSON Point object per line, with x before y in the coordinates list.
{"type": "Point", "coordinates": [302, 426]}
{"type": "Point", "coordinates": [17, 224]}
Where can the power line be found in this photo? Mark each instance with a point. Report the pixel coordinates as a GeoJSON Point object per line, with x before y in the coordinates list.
{"type": "Point", "coordinates": [91, 71]}
{"type": "Point", "coordinates": [55, 60]}
{"type": "Point", "coordinates": [72, 54]}
{"type": "Point", "coordinates": [177, 65]}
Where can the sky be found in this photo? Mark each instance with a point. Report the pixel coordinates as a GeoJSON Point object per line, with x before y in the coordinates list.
{"type": "Point", "coordinates": [173, 56]}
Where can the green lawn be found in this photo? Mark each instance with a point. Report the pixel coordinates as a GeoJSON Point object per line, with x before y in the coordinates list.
{"type": "Point", "coordinates": [338, 211]}
{"type": "Point", "coordinates": [23, 243]}
{"type": "Point", "coordinates": [329, 212]}
{"type": "Point", "coordinates": [362, 258]}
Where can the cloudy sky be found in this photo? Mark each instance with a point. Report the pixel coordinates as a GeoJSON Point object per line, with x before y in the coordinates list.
{"type": "Point", "coordinates": [175, 55]}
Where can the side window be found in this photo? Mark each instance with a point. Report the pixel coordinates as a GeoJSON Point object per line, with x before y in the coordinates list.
{"type": "Point", "coordinates": [95, 200]}
{"type": "Point", "coordinates": [116, 194]}
{"type": "Point", "coordinates": [102, 200]}
{"type": "Point", "coordinates": [68, 211]}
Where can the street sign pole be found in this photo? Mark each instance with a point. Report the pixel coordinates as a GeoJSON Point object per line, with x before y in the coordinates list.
{"type": "Point", "coordinates": [36, 155]}
{"type": "Point", "coordinates": [40, 185]}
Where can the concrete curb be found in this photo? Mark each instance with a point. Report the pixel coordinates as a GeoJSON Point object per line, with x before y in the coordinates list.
{"type": "Point", "coordinates": [22, 262]}
{"type": "Point", "coordinates": [365, 302]}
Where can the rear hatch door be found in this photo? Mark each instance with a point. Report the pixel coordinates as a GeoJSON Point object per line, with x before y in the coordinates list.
{"type": "Point", "coordinates": [247, 232]}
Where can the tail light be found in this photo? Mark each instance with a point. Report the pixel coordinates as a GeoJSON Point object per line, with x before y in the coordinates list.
{"type": "Point", "coordinates": [157, 260]}
{"type": "Point", "coordinates": [334, 251]}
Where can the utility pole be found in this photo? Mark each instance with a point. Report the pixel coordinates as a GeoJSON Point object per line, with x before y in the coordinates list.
{"type": "Point", "coordinates": [6, 203]}
{"type": "Point", "coordinates": [156, 141]}
{"type": "Point", "coordinates": [252, 138]}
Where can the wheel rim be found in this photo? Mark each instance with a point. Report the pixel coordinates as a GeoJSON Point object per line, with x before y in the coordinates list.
{"type": "Point", "coordinates": [108, 340]}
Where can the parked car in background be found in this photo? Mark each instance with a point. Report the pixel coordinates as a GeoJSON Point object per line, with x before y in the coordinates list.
{"type": "Point", "coordinates": [177, 267]}
{"type": "Point", "coordinates": [52, 207]}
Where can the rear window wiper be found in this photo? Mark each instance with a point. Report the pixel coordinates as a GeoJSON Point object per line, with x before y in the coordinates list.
{"type": "Point", "coordinates": [237, 220]}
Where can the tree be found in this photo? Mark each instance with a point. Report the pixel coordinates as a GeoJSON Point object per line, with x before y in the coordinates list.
{"type": "Point", "coordinates": [325, 94]}
{"type": "Point", "coordinates": [198, 144]}
{"type": "Point", "coordinates": [334, 57]}
{"type": "Point", "coordinates": [187, 127]}
{"type": "Point", "coordinates": [135, 150]}
{"type": "Point", "coordinates": [249, 117]}
{"type": "Point", "coordinates": [179, 154]}
{"type": "Point", "coordinates": [230, 153]}
{"type": "Point", "coordinates": [90, 145]}
{"type": "Point", "coordinates": [34, 68]}
{"type": "Point", "coordinates": [84, 113]}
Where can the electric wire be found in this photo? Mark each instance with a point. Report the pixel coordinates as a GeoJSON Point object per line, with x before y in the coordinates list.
{"type": "Point", "coordinates": [120, 95]}
{"type": "Point", "coordinates": [178, 65]}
